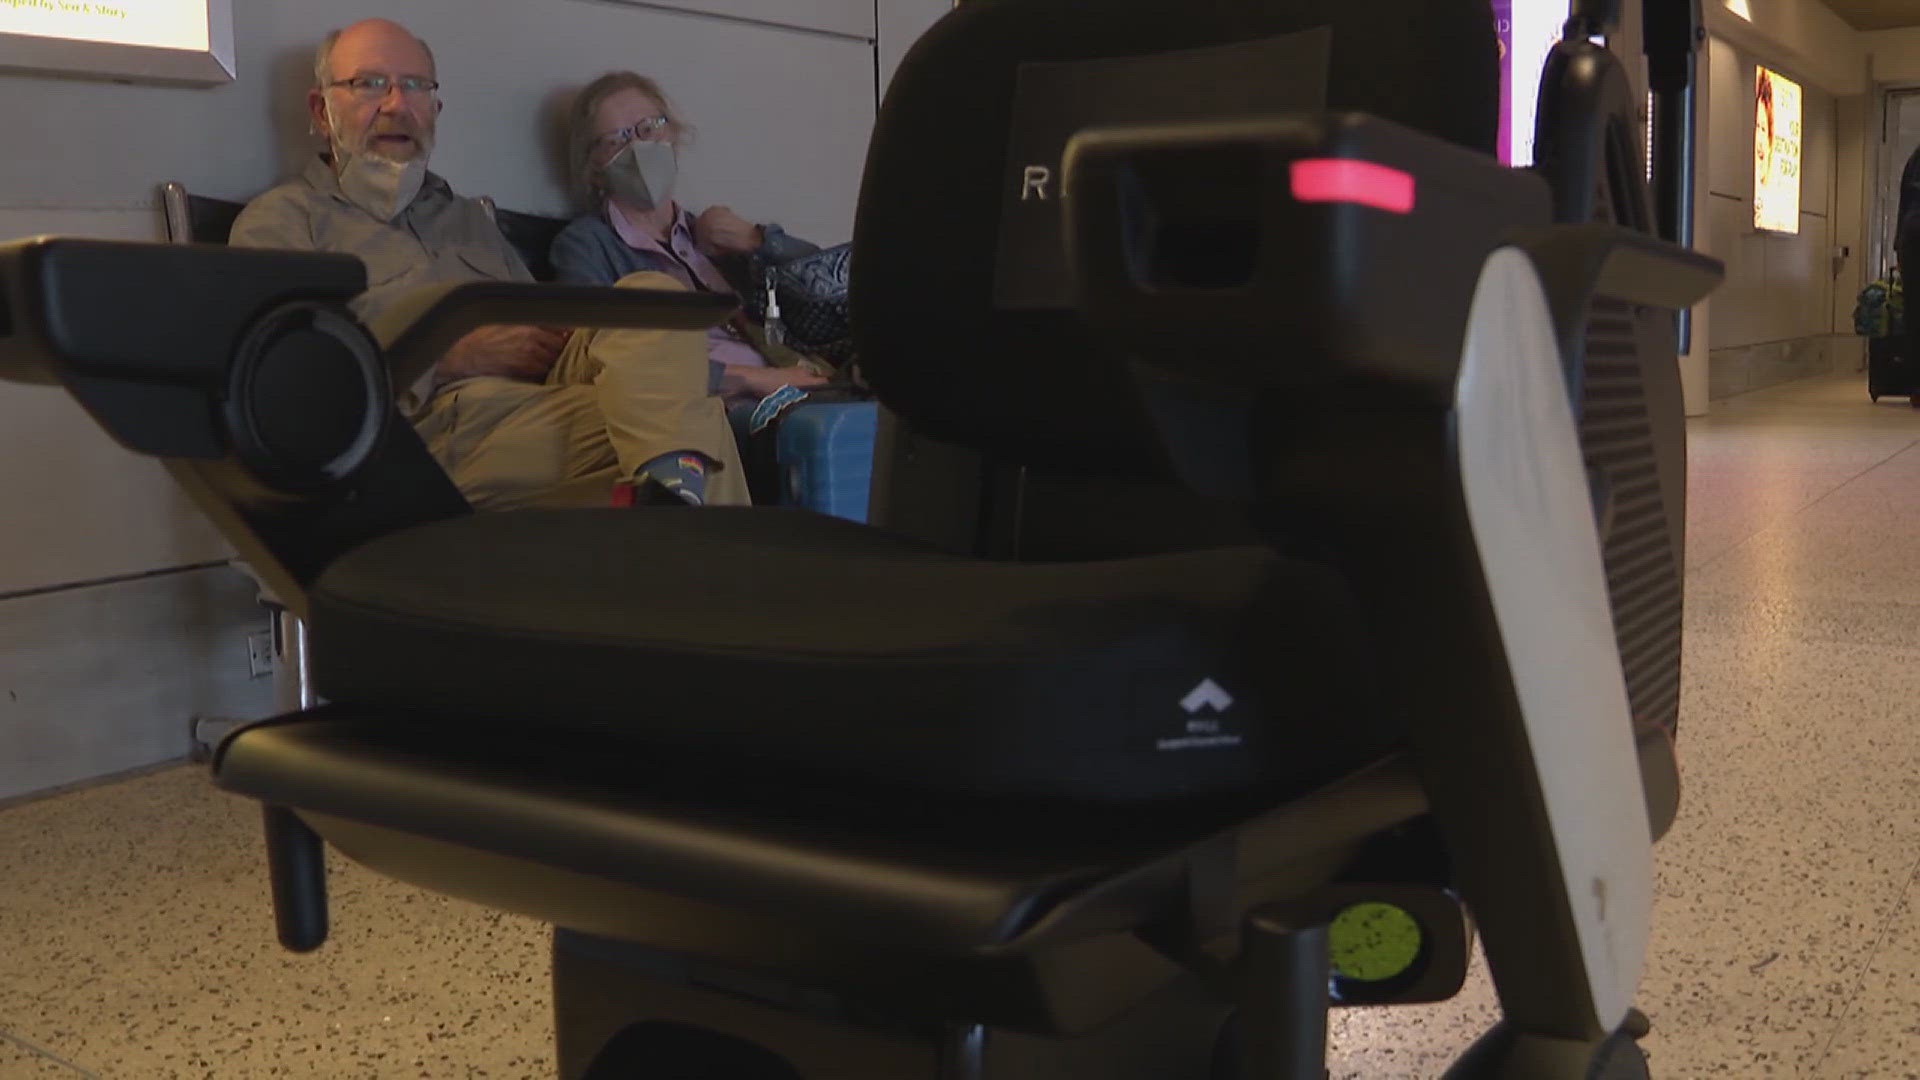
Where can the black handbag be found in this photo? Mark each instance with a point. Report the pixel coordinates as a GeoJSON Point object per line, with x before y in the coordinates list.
{"type": "Point", "coordinates": [803, 303]}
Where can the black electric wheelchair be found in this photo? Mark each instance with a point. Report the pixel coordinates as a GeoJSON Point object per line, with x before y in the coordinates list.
{"type": "Point", "coordinates": [1276, 578]}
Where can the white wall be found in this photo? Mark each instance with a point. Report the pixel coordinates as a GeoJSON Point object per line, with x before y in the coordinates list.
{"type": "Point", "coordinates": [784, 113]}
{"type": "Point", "coordinates": [1803, 37]}
{"type": "Point", "coordinates": [901, 24]}
{"type": "Point", "coordinates": [1894, 55]}
{"type": "Point", "coordinates": [1855, 144]}
{"type": "Point", "coordinates": [1777, 287]}
{"type": "Point", "coordinates": [1786, 298]}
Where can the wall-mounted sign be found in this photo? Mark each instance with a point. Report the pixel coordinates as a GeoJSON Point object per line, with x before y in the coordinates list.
{"type": "Point", "coordinates": [1776, 152]}
{"type": "Point", "coordinates": [168, 41]}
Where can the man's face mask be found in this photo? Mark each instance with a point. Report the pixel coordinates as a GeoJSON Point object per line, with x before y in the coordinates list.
{"type": "Point", "coordinates": [642, 174]}
{"type": "Point", "coordinates": [380, 186]}
{"type": "Point", "coordinates": [376, 183]}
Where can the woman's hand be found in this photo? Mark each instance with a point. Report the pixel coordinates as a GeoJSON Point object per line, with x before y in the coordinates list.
{"type": "Point", "coordinates": [761, 381]}
{"type": "Point", "coordinates": [720, 231]}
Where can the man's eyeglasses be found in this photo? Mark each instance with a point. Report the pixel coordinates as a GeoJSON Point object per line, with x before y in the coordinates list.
{"type": "Point", "coordinates": [375, 87]}
{"type": "Point", "coordinates": [645, 129]}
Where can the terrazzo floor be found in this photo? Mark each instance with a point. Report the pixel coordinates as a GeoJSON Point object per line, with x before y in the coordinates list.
{"type": "Point", "coordinates": [135, 940]}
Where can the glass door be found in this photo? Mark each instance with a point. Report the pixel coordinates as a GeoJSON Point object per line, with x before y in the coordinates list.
{"type": "Point", "coordinates": [1899, 139]}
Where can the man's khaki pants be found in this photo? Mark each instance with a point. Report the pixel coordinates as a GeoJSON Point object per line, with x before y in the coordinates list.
{"type": "Point", "coordinates": [615, 400]}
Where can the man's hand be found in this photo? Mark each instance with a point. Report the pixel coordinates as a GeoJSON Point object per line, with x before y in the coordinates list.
{"type": "Point", "coordinates": [761, 381]}
{"type": "Point", "coordinates": [526, 353]}
{"type": "Point", "coordinates": [720, 231]}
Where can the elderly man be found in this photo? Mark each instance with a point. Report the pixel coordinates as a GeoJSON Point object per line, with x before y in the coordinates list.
{"type": "Point", "coordinates": [518, 415]}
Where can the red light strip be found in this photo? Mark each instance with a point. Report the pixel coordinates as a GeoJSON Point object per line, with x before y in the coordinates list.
{"type": "Point", "coordinates": [1361, 182]}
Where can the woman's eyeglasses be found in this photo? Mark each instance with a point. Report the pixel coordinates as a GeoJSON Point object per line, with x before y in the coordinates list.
{"type": "Point", "coordinates": [645, 129]}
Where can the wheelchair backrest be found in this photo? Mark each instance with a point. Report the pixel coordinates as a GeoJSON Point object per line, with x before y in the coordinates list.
{"type": "Point", "coordinates": [1019, 378]}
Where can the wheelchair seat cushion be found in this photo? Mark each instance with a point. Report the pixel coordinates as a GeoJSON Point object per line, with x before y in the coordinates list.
{"type": "Point", "coordinates": [786, 639]}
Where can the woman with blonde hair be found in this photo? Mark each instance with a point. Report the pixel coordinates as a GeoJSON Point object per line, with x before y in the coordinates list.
{"type": "Point", "coordinates": [624, 139]}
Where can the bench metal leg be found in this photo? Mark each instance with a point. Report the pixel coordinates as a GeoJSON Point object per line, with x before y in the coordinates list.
{"type": "Point", "coordinates": [292, 687]}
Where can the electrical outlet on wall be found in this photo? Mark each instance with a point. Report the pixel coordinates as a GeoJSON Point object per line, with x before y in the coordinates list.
{"type": "Point", "coordinates": [260, 654]}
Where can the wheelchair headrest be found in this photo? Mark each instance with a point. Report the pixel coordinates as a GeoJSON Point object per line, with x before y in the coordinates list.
{"type": "Point", "coordinates": [958, 286]}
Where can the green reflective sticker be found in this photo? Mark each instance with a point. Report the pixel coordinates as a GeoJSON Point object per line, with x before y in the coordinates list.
{"type": "Point", "coordinates": [1373, 942]}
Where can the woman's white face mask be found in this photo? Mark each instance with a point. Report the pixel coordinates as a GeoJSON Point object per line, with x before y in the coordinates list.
{"type": "Point", "coordinates": [642, 174]}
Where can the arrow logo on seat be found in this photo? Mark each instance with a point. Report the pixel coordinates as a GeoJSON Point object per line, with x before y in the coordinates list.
{"type": "Point", "coordinates": [1208, 695]}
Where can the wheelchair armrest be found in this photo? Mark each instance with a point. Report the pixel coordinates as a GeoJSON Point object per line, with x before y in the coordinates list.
{"type": "Point", "coordinates": [419, 328]}
{"type": "Point", "coordinates": [108, 310]}
{"type": "Point", "coordinates": [141, 333]}
{"type": "Point", "coordinates": [1240, 264]}
{"type": "Point", "coordinates": [1577, 263]}
{"type": "Point", "coordinates": [1607, 260]}
{"type": "Point", "coordinates": [102, 315]}
{"type": "Point", "coordinates": [1287, 250]}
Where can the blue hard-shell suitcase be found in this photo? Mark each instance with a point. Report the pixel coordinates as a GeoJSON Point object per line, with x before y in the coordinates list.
{"type": "Point", "coordinates": [825, 451]}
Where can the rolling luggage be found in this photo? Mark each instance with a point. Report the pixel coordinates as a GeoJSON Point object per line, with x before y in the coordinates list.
{"type": "Point", "coordinates": [1889, 371]}
{"type": "Point", "coordinates": [1879, 315]}
{"type": "Point", "coordinates": [825, 452]}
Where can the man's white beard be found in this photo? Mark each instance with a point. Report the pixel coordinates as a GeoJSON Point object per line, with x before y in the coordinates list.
{"type": "Point", "coordinates": [340, 148]}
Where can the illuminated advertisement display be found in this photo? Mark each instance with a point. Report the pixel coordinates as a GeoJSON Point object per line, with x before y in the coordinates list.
{"type": "Point", "coordinates": [162, 24]}
{"type": "Point", "coordinates": [1776, 152]}
{"type": "Point", "coordinates": [188, 41]}
{"type": "Point", "coordinates": [1528, 30]}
